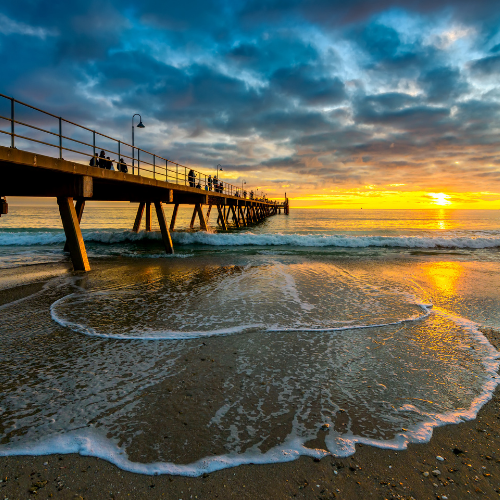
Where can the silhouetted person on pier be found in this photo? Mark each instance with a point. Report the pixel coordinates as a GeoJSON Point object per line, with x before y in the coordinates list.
{"type": "Point", "coordinates": [102, 160]}
{"type": "Point", "coordinates": [210, 183]}
{"type": "Point", "coordinates": [198, 185]}
{"type": "Point", "coordinates": [94, 162]}
{"type": "Point", "coordinates": [191, 178]}
{"type": "Point", "coordinates": [109, 164]}
{"type": "Point", "coordinates": [122, 166]}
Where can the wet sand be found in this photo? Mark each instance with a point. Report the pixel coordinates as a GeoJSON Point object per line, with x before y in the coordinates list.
{"type": "Point", "coordinates": [470, 469]}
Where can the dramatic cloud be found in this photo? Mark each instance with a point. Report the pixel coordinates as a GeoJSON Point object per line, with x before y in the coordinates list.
{"type": "Point", "coordinates": [309, 95]}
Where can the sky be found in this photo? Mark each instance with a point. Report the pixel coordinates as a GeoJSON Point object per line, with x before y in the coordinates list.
{"type": "Point", "coordinates": [340, 104]}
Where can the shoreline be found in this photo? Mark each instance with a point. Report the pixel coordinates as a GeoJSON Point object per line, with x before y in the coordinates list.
{"type": "Point", "coordinates": [471, 467]}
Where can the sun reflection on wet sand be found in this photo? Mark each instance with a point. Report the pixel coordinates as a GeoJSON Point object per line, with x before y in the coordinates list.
{"type": "Point", "coordinates": [444, 275]}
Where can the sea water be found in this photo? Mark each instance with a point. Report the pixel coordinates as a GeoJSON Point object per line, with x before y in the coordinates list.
{"type": "Point", "coordinates": [303, 335]}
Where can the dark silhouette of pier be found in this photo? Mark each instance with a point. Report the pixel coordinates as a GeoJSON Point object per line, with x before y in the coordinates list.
{"type": "Point", "coordinates": [152, 180]}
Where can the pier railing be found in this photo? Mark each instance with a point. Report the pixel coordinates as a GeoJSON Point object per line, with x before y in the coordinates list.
{"type": "Point", "coordinates": [137, 160]}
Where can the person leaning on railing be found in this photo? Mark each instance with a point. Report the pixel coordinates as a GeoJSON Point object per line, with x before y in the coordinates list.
{"type": "Point", "coordinates": [121, 166]}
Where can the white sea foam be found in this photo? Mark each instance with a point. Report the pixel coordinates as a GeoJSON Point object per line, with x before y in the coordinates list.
{"type": "Point", "coordinates": [151, 334]}
{"type": "Point", "coordinates": [90, 442]}
{"type": "Point", "coordinates": [145, 334]}
{"type": "Point", "coordinates": [247, 238]}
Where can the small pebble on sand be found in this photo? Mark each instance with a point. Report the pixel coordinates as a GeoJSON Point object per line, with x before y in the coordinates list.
{"type": "Point", "coordinates": [436, 472]}
{"type": "Point", "coordinates": [440, 458]}
{"type": "Point", "coordinates": [426, 474]}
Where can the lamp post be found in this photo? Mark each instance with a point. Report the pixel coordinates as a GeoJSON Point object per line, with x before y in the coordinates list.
{"type": "Point", "coordinates": [139, 125]}
{"type": "Point", "coordinates": [242, 182]}
{"type": "Point", "coordinates": [219, 167]}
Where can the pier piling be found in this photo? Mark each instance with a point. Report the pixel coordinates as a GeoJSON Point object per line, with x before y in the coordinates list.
{"type": "Point", "coordinates": [73, 234]}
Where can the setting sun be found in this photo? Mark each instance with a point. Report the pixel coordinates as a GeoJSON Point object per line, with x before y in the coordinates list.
{"type": "Point", "coordinates": [440, 199]}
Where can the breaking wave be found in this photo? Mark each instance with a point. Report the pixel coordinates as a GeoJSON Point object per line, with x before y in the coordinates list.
{"type": "Point", "coordinates": [28, 238]}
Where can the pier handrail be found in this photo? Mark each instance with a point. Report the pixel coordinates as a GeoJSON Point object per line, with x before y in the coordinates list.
{"type": "Point", "coordinates": [176, 174]}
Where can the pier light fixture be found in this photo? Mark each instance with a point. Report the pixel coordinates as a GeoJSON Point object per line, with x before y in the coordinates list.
{"type": "Point", "coordinates": [139, 125]}
{"type": "Point", "coordinates": [219, 167]}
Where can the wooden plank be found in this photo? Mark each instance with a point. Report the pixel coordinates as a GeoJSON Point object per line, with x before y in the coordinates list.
{"type": "Point", "coordinates": [221, 218]}
{"type": "Point", "coordinates": [193, 217]}
{"type": "Point", "coordinates": [174, 216]}
{"type": "Point", "coordinates": [73, 234]}
{"type": "Point", "coordinates": [203, 222]}
{"type": "Point", "coordinates": [138, 217]}
{"type": "Point", "coordinates": [148, 216]}
{"type": "Point", "coordinates": [80, 205]}
{"type": "Point", "coordinates": [165, 233]}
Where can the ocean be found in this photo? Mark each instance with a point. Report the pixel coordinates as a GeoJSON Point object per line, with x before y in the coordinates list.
{"type": "Point", "coordinates": [303, 335]}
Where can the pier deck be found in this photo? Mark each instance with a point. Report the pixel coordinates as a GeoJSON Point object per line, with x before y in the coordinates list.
{"type": "Point", "coordinates": [30, 174]}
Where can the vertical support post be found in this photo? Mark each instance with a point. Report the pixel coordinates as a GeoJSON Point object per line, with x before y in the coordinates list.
{"type": "Point", "coordinates": [176, 173]}
{"type": "Point", "coordinates": [235, 217]}
{"type": "Point", "coordinates": [73, 234]}
{"type": "Point", "coordinates": [191, 225]}
{"type": "Point", "coordinates": [60, 138]}
{"type": "Point", "coordinates": [208, 211]}
{"type": "Point", "coordinates": [185, 176]}
{"type": "Point", "coordinates": [93, 145]}
{"type": "Point", "coordinates": [119, 155]}
{"type": "Point", "coordinates": [165, 233]}
{"type": "Point", "coordinates": [203, 222]}
{"type": "Point", "coordinates": [12, 118]}
{"type": "Point", "coordinates": [221, 218]}
{"type": "Point", "coordinates": [166, 170]}
{"type": "Point", "coordinates": [174, 217]}
{"type": "Point", "coordinates": [148, 216]}
{"type": "Point", "coordinates": [154, 166]}
{"type": "Point", "coordinates": [138, 217]}
{"type": "Point", "coordinates": [242, 215]}
{"type": "Point", "coordinates": [80, 205]}
{"type": "Point", "coordinates": [138, 161]}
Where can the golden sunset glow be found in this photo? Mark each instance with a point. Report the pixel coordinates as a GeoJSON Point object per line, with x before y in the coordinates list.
{"type": "Point", "coordinates": [390, 198]}
{"type": "Point", "coordinates": [440, 199]}
{"type": "Point", "coordinates": [444, 275]}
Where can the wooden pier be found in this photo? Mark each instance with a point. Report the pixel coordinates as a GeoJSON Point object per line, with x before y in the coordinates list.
{"type": "Point", "coordinates": [27, 174]}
